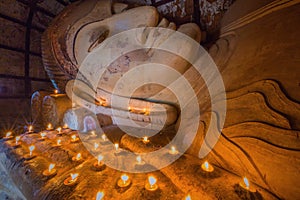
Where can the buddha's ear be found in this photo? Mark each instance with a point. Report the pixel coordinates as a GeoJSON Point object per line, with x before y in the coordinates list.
{"type": "Point", "coordinates": [101, 36]}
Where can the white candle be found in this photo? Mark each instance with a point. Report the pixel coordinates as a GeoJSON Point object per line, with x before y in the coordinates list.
{"type": "Point", "coordinates": [99, 159]}
{"type": "Point", "coordinates": [58, 142]}
{"type": "Point", "coordinates": [30, 128]}
{"type": "Point", "coordinates": [43, 134]}
{"type": "Point", "coordinates": [59, 130]}
{"type": "Point", "coordinates": [117, 147]}
{"type": "Point", "coordinates": [245, 184]}
{"type": "Point", "coordinates": [51, 168]}
{"type": "Point", "coordinates": [104, 138]}
{"type": "Point", "coordinates": [8, 134]}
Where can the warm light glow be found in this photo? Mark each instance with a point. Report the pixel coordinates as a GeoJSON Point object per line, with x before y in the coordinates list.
{"type": "Point", "coordinates": [188, 197]}
{"type": "Point", "coordinates": [74, 137]}
{"type": "Point", "coordinates": [93, 133]}
{"type": "Point", "coordinates": [78, 156]}
{"type": "Point", "coordinates": [51, 166]}
{"type": "Point", "coordinates": [117, 146]}
{"type": "Point", "coordinates": [31, 148]}
{"type": "Point", "coordinates": [55, 91]}
{"type": "Point", "coordinates": [74, 176]}
{"type": "Point", "coordinates": [100, 196]}
{"type": "Point", "coordinates": [103, 136]}
{"type": "Point", "coordinates": [146, 140]}
{"type": "Point", "coordinates": [139, 159]}
{"type": "Point", "coordinates": [65, 126]}
{"type": "Point", "coordinates": [99, 158]}
{"type": "Point", "coordinates": [145, 110]}
{"type": "Point", "coordinates": [8, 134]}
{"type": "Point", "coordinates": [30, 128]}
{"type": "Point", "coordinates": [49, 126]}
{"type": "Point", "coordinates": [58, 142]}
{"type": "Point", "coordinates": [246, 181]}
{"type": "Point", "coordinates": [129, 108]}
{"type": "Point", "coordinates": [173, 150]}
{"type": "Point", "coordinates": [206, 165]}
{"type": "Point", "coordinates": [17, 139]}
{"type": "Point", "coordinates": [124, 178]}
{"type": "Point", "coordinates": [96, 145]}
{"type": "Point", "coordinates": [59, 129]}
{"type": "Point", "coordinates": [152, 181]}
{"type": "Point", "coordinates": [43, 134]}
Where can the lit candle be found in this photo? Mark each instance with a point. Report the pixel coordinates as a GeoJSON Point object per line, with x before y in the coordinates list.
{"type": "Point", "coordinates": [207, 167]}
{"type": "Point", "coordinates": [93, 134]}
{"type": "Point", "coordinates": [31, 148]}
{"type": "Point", "coordinates": [17, 140]}
{"type": "Point", "coordinates": [77, 157]}
{"type": "Point", "coordinates": [65, 126]}
{"type": "Point", "coordinates": [117, 148]}
{"type": "Point", "coordinates": [43, 135]}
{"type": "Point", "coordinates": [58, 142]}
{"type": "Point", "coordinates": [74, 138]}
{"type": "Point", "coordinates": [55, 91]}
{"type": "Point", "coordinates": [50, 170]}
{"type": "Point", "coordinates": [59, 130]}
{"type": "Point", "coordinates": [100, 196]}
{"type": "Point", "coordinates": [245, 184]}
{"type": "Point", "coordinates": [151, 185]}
{"type": "Point", "coordinates": [146, 140]}
{"type": "Point", "coordinates": [16, 143]}
{"type": "Point", "coordinates": [173, 150]}
{"type": "Point", "coordinates": [96, 145]}
{"type": "Point", "coordinates": [71, 180]}
{"type": "Point", "coordinates": [30, 128]}
{"type": "Point", "coordinates": [124, 181]}
{"type": "Point", "coordinates": [49, 127]}
{"type": "Point", "coordinates": [104, 138]}
{"type": "Point", "coordinates": [188, 197]}
{"type": "Point", "coordinates": [139, 160]}
{"type": "Point", "coordinates": [129, 108]}
{"type": "Point", "coordinates": [8, 135]}
{"type": "Point", "coordinates": [99, 165]}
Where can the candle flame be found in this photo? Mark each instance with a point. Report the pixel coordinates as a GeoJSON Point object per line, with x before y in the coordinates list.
{"type": "Point", "coordinates": [17, 139]}
{"type": "Point", "coordinates": [124, 178]}
{"type": "Point", "coordinates": [73, 137]}
{"type": "Point", "coordinates": [74, 176]}
{"type": "Point", "coordinates": [206, 165]}
{"type": "Point", "coordinates": [104, 138]}
{"type": "Point", "coordinates": [100, 196]}
{"type": "Point", "coordinates": [51, 166]}
{"type": "Point", "coordinates": [49, 126]}
{"type": "Point", "coordinates": [96, 145]}
{"type": "Point", "coordinates": [152, 180]}
{"type": "Point", "coordinates": [246, 181]}
{"type": "Point", "coordinates": [31, 148]}
{"type": "Point", "coordinates": [65, 126]}
{"type": "Point", "coordinates": [55, 91]}
{"type": "Point", "coordinates": [58, 141]}
{"type": "Point", "coordinates": [43, 134]}
{"type": "Point", "coordinates": [30, 128]}
{"type": "Point", "coordinates": [99, 158]}
{"type": "Point", "coordinates": [145, 139]}
{"type": "Point", "coordinates": [117, 146]}
{"type": "Point", "coordinates": [8, 134]}
{"type": "Point", "coordinates": [78, 156]}
{"type": "Point", "coordinates": [59, 129]}
{"type": "Point", "coordinates": [139, 159]}
{"type": "Point", "coordinates": [129, 108]}
{"type": "Point", "coordinates": [188, 197]}
{"type": "Point", "coordinates": [144, 110]}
